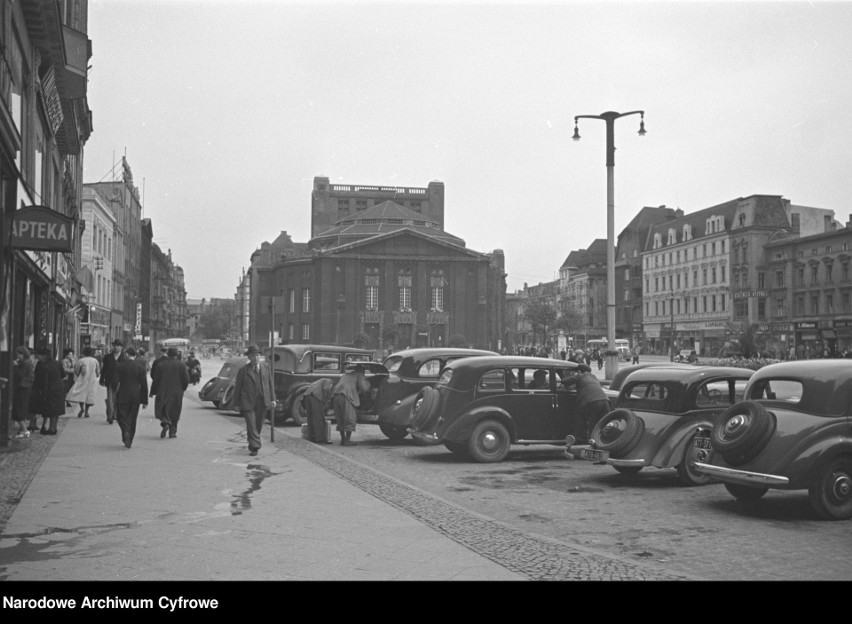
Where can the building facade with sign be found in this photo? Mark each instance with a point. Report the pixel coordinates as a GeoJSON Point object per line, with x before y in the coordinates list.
{"type": "Point", "coordinates": [706, 274]}
{"type": "Point", "coordinates": [44, 123]}
{"type": "Point", "coordinates": [97, 248]}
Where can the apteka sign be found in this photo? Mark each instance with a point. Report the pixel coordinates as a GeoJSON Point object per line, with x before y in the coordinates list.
{"type": "Point", "coordinates": [38, 228]}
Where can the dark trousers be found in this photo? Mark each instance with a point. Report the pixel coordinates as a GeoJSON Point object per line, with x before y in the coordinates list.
{"type": "Point", "coordinates": [126, 414]}
{"type": "Point", "coordinates": [317, 426]}
{"type": "Point", "coordinates": [169, 414]}
{"type": "Point", "coordinates": [254, 422]}
{"type": "Point", "coordinates": [590, 414]}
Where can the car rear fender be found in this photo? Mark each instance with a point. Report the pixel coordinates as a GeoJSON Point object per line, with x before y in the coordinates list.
{"type": "Point", "coordinates": [460, 429]}
{"type": "Point", "coordinates": [676, 444]}
{"type": "Point", "coordinates": [398, 413]}
{"type": "Point", "coordinates": [286, 402]}
{"type": "Point", "coordinates": [807, 466]}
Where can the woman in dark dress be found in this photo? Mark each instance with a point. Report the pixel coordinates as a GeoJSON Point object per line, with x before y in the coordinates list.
{"type": "Point", "coordinates": [22, 379]}
{"type": "Point", "coordinates": [48, 390]}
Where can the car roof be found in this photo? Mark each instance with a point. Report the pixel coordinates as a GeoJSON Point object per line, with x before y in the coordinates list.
{"type": "Point", "coordinates": [687, 375]}
{"type": "Point", "coordinates": [625, 371]}
{"type": "Point", "coordinates": [483, 362]}
{"type": "Point", "coordinates": [411, 359]}
{"type": "Point", "coordinates": [301, 349]}
{"type": "Point", "coordinates": [826, 383]}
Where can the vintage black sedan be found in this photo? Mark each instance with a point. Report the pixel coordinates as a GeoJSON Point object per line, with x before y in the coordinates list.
{"type": "Point", "coordinates": [657, 415]}
{"type": "Point", "coordinates": [409, 371]}
{"type": "Point", "coordinates": [613, 388]}
{"type": "Point", "coordinates": [482, 405]}
{"type": "Point", "coordinates": [295, 366]}
{"type": "Point", "coordinates": [792, 431]}
{"type": "Point", "coordinates": [215, 390]}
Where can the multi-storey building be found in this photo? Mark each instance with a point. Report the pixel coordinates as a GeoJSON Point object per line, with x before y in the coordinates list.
{"type": "Point", "coordinates": [705, 273]}
{"type": "Point", "coordinates": [809, 294]}
{"type": "Point", "coordinates": [379, 272]}
{"type": "Point", "coordinates": [97, 259]}
{"type": "Point", "coordinates": [44, 123]}
{"type": "Point", "coordinates": [582, 285]}
{"type": "Point", "coordinates": [628, 271]}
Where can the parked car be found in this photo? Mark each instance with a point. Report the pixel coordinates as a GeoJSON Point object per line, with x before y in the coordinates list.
{"type": "Point", "coordinates": [295, 366]}
{"type": "Point", "coordinates": [216, 388]}
{"type": "Point", "coordinates": [409, 371]}
{"type": "Point", "coordinates": [657, 415]}
{"type": "Point", "coordinates": [792, 431]}
{"type": "Point", "coordinates": [613, 388]}
{"type": "Point", "coordinates": [482, 405]}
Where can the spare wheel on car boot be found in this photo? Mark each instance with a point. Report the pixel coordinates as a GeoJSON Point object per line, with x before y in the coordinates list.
{"type": "Point", "coordinates": [742, 431]}
{"type": "Point", "coordinates": [424, 407]}
{"type": "Point", "coordinates": [618, 432]}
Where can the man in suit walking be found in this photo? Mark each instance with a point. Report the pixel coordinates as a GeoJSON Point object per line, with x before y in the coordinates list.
{"type": "Point", "coordinates": [131, 392]}
{"type": "Point", "coordinates": [108, 380]}
{"type": "Point", "coordinates": [254, 394]}
{"type": "Point", "coordinates": [170, 381]}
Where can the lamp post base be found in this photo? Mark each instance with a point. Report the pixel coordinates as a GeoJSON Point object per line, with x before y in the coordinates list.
{"type": "Point", "coordinates": [610, 366]}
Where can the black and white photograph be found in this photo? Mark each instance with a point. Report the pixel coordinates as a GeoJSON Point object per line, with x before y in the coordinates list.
{"type": "Point", "coordinates": [421, 291]}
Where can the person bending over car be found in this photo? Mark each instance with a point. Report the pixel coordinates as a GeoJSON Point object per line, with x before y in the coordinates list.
{"type": "Point", "coordinates": [593, 404]}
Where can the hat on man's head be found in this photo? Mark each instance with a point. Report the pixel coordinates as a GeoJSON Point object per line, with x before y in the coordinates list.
{"type": "Point", "coordinates": [130, 351]}
{"type": "Point", "coordinates": [117, 343]}
{"type": "Point", "coordinates": [172, 352]}
{"type": "Point", "coordinates": [584, 368]}
{"type": "Point", "coordinates": [253, 349]}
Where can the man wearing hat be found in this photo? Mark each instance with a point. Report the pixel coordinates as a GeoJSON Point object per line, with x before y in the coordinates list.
{"type": "Point", "coordinates": [131, 393]}
{"type": "Point", "coordinates": [592, 404]}
{"type": "Point", "coordinates": [346, 398]}
{"type": "Point", "coordinates": [254, 395]}
{"type": "Point", "coordinates": [108, 378]}
{"type": "Point", "coordinates": [170, 381]}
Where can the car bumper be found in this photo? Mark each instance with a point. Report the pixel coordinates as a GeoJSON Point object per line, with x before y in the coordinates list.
{"type": "Point", "coordinates": [576, 451]}
{"type": "Point", "coordinates": [426, 437]}
{"type": "Point", "coordinates": [743, 477]}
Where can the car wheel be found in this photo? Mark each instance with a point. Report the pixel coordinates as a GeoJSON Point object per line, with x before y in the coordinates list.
{"type": "Point", "coordinates": [298, 414]}
{"type": "Point", "coordinates": [394, 432]}
{"type": "Point", "coordinates": [618, 432]}
{"type": "Point", "coordinates": [456, 448]}
{"type": "Point", "coordinates": [831, 498]}
{"type": "Point", "coordinates": [685, 471]}
{"type": "Point", "coordinates": [628, 470]}
{"type": "Point", "coordinates": [745, 493]}
{"type": "Point", "coordinates": [742, 432]}
{"type": "Point", "coordinates": [489, 442]}
{"type": "Point", "coordinates": [226, 398]}
{"type": "Point", "coordinates": [424, 406]}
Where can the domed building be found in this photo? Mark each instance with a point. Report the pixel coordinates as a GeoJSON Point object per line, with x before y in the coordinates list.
{"type": "Point", "coordinates": [379, 270]}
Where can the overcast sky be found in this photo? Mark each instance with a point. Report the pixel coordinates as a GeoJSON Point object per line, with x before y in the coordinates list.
{"type": "Point", "coordinates": [227, 110]}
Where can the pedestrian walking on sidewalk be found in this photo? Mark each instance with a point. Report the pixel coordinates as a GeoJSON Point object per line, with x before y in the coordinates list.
{"type": "Point", "coordinates": [86, 374]}
{"type": "Point", "coordinates": [317, 400]}
{"type": "Point", "coordinates": [48, 395]}
{"type": "Point", "coordinates": [158, 403]}
{"type": "Point", "coordinates": [346, 399]}
{"type": "Point", "coordinates": [23, 376]}
{"type": "Point", "coordinates": [170, 381]}
{"type": "Point", "coordinates": [108, 380]}
{"type": "Point", "coordinates": [254, 395]}
{"type": "Point", "coordinates": [68, 369]}
{"type": "Point", "coordinates": [131, 392]}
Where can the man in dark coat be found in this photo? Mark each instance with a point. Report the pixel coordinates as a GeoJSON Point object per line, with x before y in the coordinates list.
{"type": "Point", "coordinates": [254, 394]}
{"type": "Point", "coordinates": [49, 390]}
{"type": "Point", "coordinates": [131, 392]}
{"type": "Point", "coordinates": [592, 401]}
{"type": "Point", "coordinates": [170, 381]}
{"type": "Point", "coordinates": [108, 376]}
{"type": "Point", "coordinates": [158, 404]}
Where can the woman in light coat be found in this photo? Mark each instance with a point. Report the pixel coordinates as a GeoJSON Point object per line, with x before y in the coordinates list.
{"type": "Point", "coordinates": [87, 372]}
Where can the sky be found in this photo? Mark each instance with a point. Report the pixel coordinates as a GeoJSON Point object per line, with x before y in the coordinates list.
{"type": "Point", "coordinates": [226, 110]}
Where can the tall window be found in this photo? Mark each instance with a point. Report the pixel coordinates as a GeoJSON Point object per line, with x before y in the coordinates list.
{"type": "Point", "coordinates": [306, 331]}
{"type": "Point", "coordinates": [779, 279]}
{"type": "Point", "coordinates": [291, 332]}
{"type": "Point", "coordinates": [761, 309]}
{"type": "Point", "coordinates": [828, 273]}
{"type": "Point", "coordinates": [761, 279]}
{"type": "Point", "coordinates": [306, 300]}
{"type": "Point", "coordinates": [814, 304]}
{"type": "Point", "coordinates": [829, 304]}
{"type": "Point", "coordinates": [405, 297]}
{"type": "Point", "coordinates": [292, 304]}
{"type": "Point", "coordinates": [814, 270]}
{"type": "Point", "coordinates": [372, 298]}
{"type": "Point", "coordinates": [779, 307]}
{"type": "Point", "coordinates": [438, 298]}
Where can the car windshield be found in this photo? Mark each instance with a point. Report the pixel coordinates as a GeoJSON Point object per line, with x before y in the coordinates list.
{"type": "Point", "coordinates": [430, 368]}
{"type": "Point", "coordinates": [393, 363]}
{"type": "Point", "coordinates": [445, 377]}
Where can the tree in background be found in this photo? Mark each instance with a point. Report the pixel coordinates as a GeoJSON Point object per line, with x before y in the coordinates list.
{"type": "Point", "coordinates": [541, 316]}
{"type": "Point", "coordinates": [457, 341]}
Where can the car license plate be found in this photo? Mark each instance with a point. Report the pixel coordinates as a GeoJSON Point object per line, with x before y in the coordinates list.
{"type": "Point", "coordinates": [593, 454]}
{"type": "Point", "coordinates": [702, 443]}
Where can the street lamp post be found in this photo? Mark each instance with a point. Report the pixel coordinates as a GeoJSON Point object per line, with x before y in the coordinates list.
{"type": "Point", "coordinates": [610, 117]}
{"type": "Point", "coordinates": [672, 327]}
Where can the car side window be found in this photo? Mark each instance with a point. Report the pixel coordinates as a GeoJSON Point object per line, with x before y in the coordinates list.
{"type": "Point", "coordinates": [327, 361]}
{"type": "Point", "coordinates": [430, 368]}
{"type": "Point", "coordinates": [787, 390]}
{"type": "Point", "coordinates": [492, 381]}
{"type": "Point", "coordinates": [713, 394]}
{"type": "Point", "coordinates": [647, 391]}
